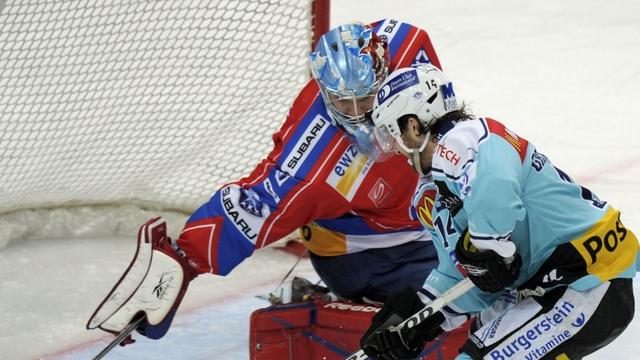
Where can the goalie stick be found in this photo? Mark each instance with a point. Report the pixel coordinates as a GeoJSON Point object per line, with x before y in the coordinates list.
{"type": "Point", "coordinates": [437, 304]}
{"type": "Point", "coordinates": [122, 336]}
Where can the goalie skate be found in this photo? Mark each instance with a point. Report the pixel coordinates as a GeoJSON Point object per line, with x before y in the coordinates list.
{"type": "Point", "coordinates": [152, 287]}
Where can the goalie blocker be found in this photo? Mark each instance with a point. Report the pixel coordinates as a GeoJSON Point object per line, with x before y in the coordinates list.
{"type": "Point", "coordinates": [329, 330]}
{"type": "Point", "coordinates": [152, 287]}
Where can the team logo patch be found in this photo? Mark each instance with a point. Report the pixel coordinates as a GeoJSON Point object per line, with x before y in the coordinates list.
{"type": "Point", "coordinates": [244, 209]}
{"type": "Point", "coordinates": [349, 172]}
{"type": "Point", "coordinates": [424, 208]}
{"type": "Point", "coordinates": [397, 84]}
{"type": "Point", "coordinates": [448, 96]}
{"type": "Point", "coordinates": [250, 202]}
{"type": "Point", "coordinates": [380, 192]}
{"type": "Point", "coordinates": [421, 58]}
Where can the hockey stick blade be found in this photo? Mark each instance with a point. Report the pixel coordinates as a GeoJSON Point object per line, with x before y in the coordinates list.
{"type": "Point", "coordinates": [121, 336]}
{"type": "Point", "coordinates": [437, 304]}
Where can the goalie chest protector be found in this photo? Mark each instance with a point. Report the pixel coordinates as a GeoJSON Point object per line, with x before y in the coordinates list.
{"type": "Point", "coordinates": [326, 330]}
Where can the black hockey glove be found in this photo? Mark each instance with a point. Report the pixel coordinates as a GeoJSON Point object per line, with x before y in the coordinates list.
{"type": "Point", "coordinates": [486, 269]}
{"type": "Point", "coordinates": [381, 343]}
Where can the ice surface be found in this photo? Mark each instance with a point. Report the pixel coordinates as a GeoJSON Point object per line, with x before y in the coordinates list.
{"type": "Point", "coordinates": [563, 74]}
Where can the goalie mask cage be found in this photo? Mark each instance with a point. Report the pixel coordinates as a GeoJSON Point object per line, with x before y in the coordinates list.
{"type": "Point", "coordinates": [150, 103]}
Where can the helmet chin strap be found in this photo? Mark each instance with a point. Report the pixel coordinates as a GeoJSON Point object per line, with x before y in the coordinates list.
{"type": "Point", "coordinates": [415, 156]}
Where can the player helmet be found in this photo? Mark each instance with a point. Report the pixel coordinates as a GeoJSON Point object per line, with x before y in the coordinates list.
{"type": "Point", "coordinates": [423, 91]}
{"type": "Point", "coordinates": [349, 64]}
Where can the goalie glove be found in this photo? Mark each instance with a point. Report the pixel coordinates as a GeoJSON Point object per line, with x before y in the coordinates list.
{"type": "Point", "coordinates": [152, 286]}
{"type": "Point", "coordinates": [487, 270]}
{"type": "Point", "coordinates": [383, 340]}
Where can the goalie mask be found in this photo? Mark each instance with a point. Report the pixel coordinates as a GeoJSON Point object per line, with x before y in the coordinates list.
{"type": "Point", "coordinates": [423, 91]}
{"type": "Point", "coordinates": [349, 63]}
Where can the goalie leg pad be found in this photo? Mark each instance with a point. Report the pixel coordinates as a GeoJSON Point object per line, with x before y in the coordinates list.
{"type": "Point", "coordinates": [152, 286]}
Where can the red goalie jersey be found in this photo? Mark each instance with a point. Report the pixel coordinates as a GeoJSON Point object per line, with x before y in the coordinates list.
{"type": "Point", "coordinates": [314, 176]}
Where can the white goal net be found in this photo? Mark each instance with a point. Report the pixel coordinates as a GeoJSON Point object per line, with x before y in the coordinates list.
{"type": "Point", "coordinates": [144, 102]}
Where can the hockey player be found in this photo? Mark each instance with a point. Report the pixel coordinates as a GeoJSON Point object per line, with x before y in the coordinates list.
{"type": "Point", "coordinates": [324, 175]}
{"type": "Point", "coordinates": [513, 221]}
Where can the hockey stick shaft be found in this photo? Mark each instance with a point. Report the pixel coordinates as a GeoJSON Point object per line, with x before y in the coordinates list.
{"type": "Point", "coordinates": [300, 257]}
{"type": "Point", "coordinates": [121, 336]}
{"type": "Point", "coordinates": [437, 304]}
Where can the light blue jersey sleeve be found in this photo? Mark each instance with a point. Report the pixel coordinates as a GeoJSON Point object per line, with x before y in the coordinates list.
{"type": "Point", "coordinates": [445, 233]}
